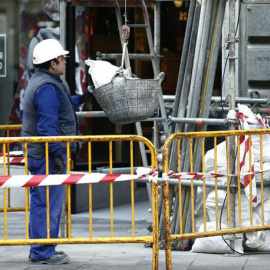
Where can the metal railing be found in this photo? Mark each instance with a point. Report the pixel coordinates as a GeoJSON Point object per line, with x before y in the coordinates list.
{"type": "Point", "coordinates": [233, 217]}
{"type": "Point", "coordinates": [8, 129]}
{"type": "Point", "coordinates": [132, 141]}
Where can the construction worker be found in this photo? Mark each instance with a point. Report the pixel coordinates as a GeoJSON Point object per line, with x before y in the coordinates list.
{"type": "Point", "coordinates": [49, 110]}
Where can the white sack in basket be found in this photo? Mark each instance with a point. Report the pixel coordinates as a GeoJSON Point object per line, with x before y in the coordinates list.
{"type": "Point", "coordinates": [102, 72]}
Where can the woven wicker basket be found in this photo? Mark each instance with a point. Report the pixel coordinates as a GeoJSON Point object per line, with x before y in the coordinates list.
{"type": "Point", "coordinates": [129, 100]}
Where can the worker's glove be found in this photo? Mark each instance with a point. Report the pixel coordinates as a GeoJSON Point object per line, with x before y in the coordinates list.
{"type": "Point", "coordinates": [85, 97]}
{"type": "Point", "coordinates": [59, 164]}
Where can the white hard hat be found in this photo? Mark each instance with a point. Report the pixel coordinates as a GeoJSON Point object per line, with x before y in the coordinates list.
{"type": "Point", "coordinates": [46, 50]}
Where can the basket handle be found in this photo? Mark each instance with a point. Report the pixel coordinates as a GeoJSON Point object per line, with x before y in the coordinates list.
{"type": "Point", "coordinates": [160, 77]}
{"type": "Point", "coordinates": [123, 55]}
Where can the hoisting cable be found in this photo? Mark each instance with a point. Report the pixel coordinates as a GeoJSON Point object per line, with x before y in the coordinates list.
{"type": "Point", "coordinates": [125, 35]}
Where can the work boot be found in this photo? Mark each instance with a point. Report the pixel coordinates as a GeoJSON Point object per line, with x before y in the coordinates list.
{"type": "Point", "coordinates": [57, 253]}
{"type": "Point", "coordinates": [58, 258]}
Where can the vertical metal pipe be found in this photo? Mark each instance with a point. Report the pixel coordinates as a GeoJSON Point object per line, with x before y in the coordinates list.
{"type": "Point", "coordinates": [5, 190]}
{"type": "Point", "coordinates": [212, 62]}
{"type": "Point", "coordinates": [47, 191]}
{"type": "Point", "coordinates": [250, 182]}
{"type": "Point", "coordinates": [132, 189]}
{"type": "Point", "coordinates": [144, 159]}
{"type": "Point", "coordinates": [232, 104]}
{"type": "Point", "coordinates": [195, 88]}
{"type": "Point", "coordinates": [184, 58]}
{"type": "Point", "coordinates": [190, 105]}
{"type": "Point", "coordinates": [239, 182]}
{"type": "Point", "coordinates": [262, 185]}
{"type": "Point", "coordinates": [204, 188]}
{"type": "Point", "coordinates": [63, 16]}
{"type": "Point", "coordinates": [62, 9]}
{"type": "Point", "coordinates": [111, 186]}
{"type": "Point", "coordinates": [26, 192]}
{"type": "Point", "coordinates": [189, 66]}
{"type": "Point", "coordinates": [200, 82]}
{"type": "Point", "coordinates": [183, 101]}
{"type": "Point", "coordinates": [216, 185]}
{"type": "Point", "coordinates": [68, 193]}
{"type": "Point", "coordinates": [70, 45]}
{"type": "Point", "coordinates": [155, 214]}
{"type": "Point", "coordinates": [155, 225]}
{"type": "Point", "coordinates": [168, 253]}
{"type": "Point", "coordinates": [192, 188]}
{"type": "Point", "coordinates": [90, 191]}
{"type": "Point", "coordinates": [156, 60]}
{"type": "Point", "coordinates": [157, 33]}
{"type": "Point", "coordinates": [201, 61]}
{"type": "Point", "coordinates": [8, 161]}
{"type": "Point", "coordinates": [228, 184]}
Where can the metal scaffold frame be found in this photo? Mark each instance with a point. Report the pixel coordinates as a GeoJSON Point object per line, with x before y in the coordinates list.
{"type": "Point", "coordinates": [193, 96]}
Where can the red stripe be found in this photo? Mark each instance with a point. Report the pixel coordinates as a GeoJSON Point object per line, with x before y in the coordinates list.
{"type": "Point", "coordinates": [109, 177]}
{"type": "Point", "coordinates": [246, 180]}
{"type": "Point", "coordinates": [17, 160]}
{"type": "Point", "coordinates": [3, 179]}
{"type": "Point", "coordinates": [35, 181]}
{"type": "Point", "coordinates": [219, 175]}
{"type": "Point", "coordinates": [245, 153]}
{"type": "Point", "coordinates": [73, 179]}
{"type": "Point", "coordinates": [242, 138]}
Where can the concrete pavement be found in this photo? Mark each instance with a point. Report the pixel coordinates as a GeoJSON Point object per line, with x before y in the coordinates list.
{"type": "Point", "coordinates": [118, 256]}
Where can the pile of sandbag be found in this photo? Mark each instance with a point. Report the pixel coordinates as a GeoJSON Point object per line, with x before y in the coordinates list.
{"type": "Point", "coordinates": [256, 240]}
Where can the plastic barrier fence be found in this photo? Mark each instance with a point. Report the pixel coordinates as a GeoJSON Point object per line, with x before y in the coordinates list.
{"type": "Point", "coordinates": [233, 176]}
{"type": "Point", "coordinates": [25, 181]}
{"type": "Point", "coordinates": [8, 132]}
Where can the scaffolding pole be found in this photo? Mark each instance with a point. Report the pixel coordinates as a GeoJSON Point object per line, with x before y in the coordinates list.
{"type": "Point", "coordinates": [231, 41]}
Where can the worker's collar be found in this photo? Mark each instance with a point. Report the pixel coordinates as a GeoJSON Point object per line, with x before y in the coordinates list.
{"type": "Point", "coordinates": [57, 77]}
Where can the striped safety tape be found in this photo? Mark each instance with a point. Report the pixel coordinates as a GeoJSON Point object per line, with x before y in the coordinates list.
{"type": "Point", "coordinates": [15, 157]}
{"type": "Point", "coordinates": [70, 179]}
{"type": "Point", "coordinates": [200, 175]}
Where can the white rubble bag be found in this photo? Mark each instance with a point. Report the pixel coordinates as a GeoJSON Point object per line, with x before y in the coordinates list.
{"type": "Point", "coordinates": [214, 244]}
{"type": "Point", "coordinates": [211, 206]}
{"type": "Point", "coordinates": [253, 239]}
{"type": "Point", "coordinates": [259, 240]}
{"type": "Point", "coordinates": [102, 72]}
{"type": "Point", "coordinates": [221, 159]}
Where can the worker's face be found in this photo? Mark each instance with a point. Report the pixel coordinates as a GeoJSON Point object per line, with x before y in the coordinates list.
{"type": "Point", "coordinates": [59, 68]}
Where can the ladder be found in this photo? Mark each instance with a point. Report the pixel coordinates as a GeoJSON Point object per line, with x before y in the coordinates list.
{"type": "Point", "coordinates": [154, 56]}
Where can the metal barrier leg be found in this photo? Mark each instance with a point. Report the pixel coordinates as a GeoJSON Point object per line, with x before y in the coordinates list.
{"type": "Point", "coordinates": [155, 226]}
{"type": "Point", "coordinates": [167, 225]}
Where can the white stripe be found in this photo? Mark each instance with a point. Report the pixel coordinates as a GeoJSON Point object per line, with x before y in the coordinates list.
{"type": "Point", "coordinates": [54, 179]}
{"type": "Point", "coordinates": [126, 177]}
{"type": "Point", "coordinates": [17, 181]}
{"type": "Point", "coordinates": [91, 178]}
{"type": "Point", "coordinates": [10, 160]}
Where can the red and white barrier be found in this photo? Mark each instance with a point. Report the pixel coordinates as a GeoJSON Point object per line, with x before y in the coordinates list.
{"type": "Point", "coordinates": [200, 175]}
{"type": "Point", "coordinates": [69, 179]}
{"type": "Point", "coordinates": [15, 157]}
{"type": "Point", "coordinates": [247, 117]}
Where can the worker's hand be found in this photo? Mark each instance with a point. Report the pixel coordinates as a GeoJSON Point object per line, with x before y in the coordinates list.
{"type": "Point", "coordinates": [85, 97]}
{"type": "Point", "coordinates": [59, 164]}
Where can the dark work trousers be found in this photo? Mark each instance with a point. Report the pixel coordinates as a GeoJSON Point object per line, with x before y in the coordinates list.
{"type": "Point", "coordinates": [38, 217]}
